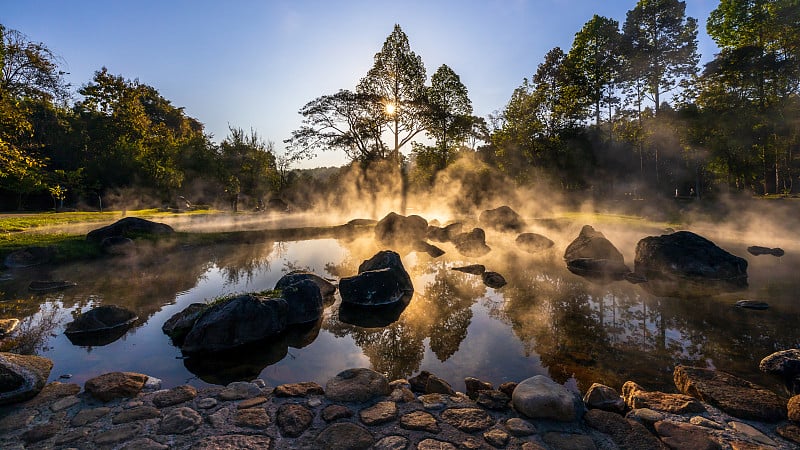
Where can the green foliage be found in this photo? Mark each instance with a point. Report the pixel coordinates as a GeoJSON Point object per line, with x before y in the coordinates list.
{"type": "Point", "coordinates": [248, 164]}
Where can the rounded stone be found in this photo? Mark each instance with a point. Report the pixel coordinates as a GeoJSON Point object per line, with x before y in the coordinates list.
{"type": "Point", "coordinates": [239, 390]}
{"type": "Point", "coordinates": [335, 412]}
{"type": "Point", "coordinates": [87, 416]}
{"type": "Point", "coordinates": [344, 436]}
{"type": "Point", "coordinates": [419, 420]}
{"type": "Point", "coordinates": [468, 419]}
{"type": "Point", "coordinates": [144, 444]}
{"type": "Point", "coordinates": [391, 443]}
{"type": "Point", "coordinates": [603, 397]}
{"type": "Point", "coordinates": [298, 389]}
{"type": "Point", "coordinates": [435, 444]}
{"type": "Point", "coordinates": [207, 403]}
{"type": "Point", "coordinates": [496, 437]}
{"type": "Point", "coordinates": [539, 397]}
{"type": "Point", "coordinates": [293, 419]}
{"type": "Point", "coordinates": [794, 408]}
{"type": "Point", "coordinates": [569, 441]}
{"type": "Point", "coordinates": [22, 376]}
{"type": "Point", "coordinates": [113, 385]}
{"type": "Point", "coordinates": [252, 418]}
{"type": "Point", "coordinates": [233, 442]}
{"type": "Point", "coordinates": [520, 427]}
{"type": "Point", "coordinates": [180, 421]}
{"type": "Point", "coordinates": [381, 412]}
{"type": "Point", "coordinates": [356, 385]}
{"type": "Point", "coordinates": [135, 414]}
{"type": "Point", "coordinates": [174, 396]}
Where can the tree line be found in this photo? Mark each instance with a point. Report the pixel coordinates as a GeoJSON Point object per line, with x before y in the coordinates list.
{"type": "Point", "coordinates": [626, 109]}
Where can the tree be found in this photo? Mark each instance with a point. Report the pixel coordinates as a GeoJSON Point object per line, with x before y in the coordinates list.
{"type": "Point", "coordinates": [449, 118]}
{"type": "Point", "coordinates": [249, 164]}
{"type": "Point", "coordinates": [397, 78]}
{"type": "Point", "coordinates": [660, 45]}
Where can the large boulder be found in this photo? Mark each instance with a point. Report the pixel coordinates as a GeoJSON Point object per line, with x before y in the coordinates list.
{"type": "Point", "coordinates": [684, 264]}
{"type": "Point", "coordinates": [179, 325]}
{"type": "Point", "coordinates": [100, 325]}
{"type": "Point", "coordinates": [235, 322]}
{"type": "Point", "coordinates": [533, 243]}
{"type": "Point", "coordinates": [304, 302]}
{"type": "Point", "coordinates": [326, 288]}
{"type": "Point", "coordinates": [127, 227]}
{"type": "Point", "coordinates": [785, 364]}
{"type": "Point", "coordinates": [503, 218]}
{"type": "Point", "coordinates": [356, 385]}
{"type": "Point", "coordinates": [381, 280]}
{"type": "Point", "coordinates": [593, 256]}
{"type": "Point", "coordinates": [22, 376]}
{"type": "Point", "coordinates": [539, 397]}
{"type": "Point", "coordinates": [472, 243]}
{"type": "Point", "coordinates": [395, 229]}
{"type": "Point", "coordinates": [445, 233]}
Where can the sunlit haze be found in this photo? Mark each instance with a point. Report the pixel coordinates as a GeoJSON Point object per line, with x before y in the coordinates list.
{"type": "Point", "coordinates": [254, 64]}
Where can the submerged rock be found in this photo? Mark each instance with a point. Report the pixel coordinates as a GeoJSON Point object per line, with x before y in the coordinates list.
{"type": "Point", "coordinates": [758, 250]}
{"type": "Point", "coordinates": [472, 243]}
{"type": "Point", "coordinates": [493, 280]}
{"type": "Point", "coordinates": [50, 286]}
{"type": "Point", "coordinates": [128, 227]}
{"type": "Point", "coordinates": [381, 280]}
{"type": "Point", "coordinates": [752, 304]}
{"type": "Point", "coordinates": [472, 269]}
{"type": "Point", "coordinates": [22, 376]}
{"type": "Point", "coordinates": [594, 257]}
{"type": "Point", "coordinates": [395, 229]}
{"type": "Point", "coordinates": [684, 264]}
{"type": "Point", "coordinates": [533, 243]}
{"type": "Point", "coordinates": [503, 218]}
{"type": "Point", "coordinates": [179, 325]}
{"type": "Point", "coordinates": [100, 326]}
{"type": "Point", "coordinates": [446, 233]}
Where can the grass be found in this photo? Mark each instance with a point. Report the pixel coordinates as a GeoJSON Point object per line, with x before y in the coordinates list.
{"type": "Point", "coordinates": [18, 222]}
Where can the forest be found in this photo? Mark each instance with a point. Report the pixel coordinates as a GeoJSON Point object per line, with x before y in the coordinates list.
{"type": "Point", "coordinates": [625, 112]}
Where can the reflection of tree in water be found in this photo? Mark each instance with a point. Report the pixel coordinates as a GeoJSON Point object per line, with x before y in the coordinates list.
{"type": "Point", "coordinates": [34, 331]}
{"type": "Point", "coordinates": [245, 261]}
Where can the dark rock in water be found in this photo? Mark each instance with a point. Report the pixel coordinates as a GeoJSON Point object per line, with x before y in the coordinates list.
{"type": "Point", "coordinates": [179, 325]}
{"type": "Point", "coordinates": [326, 288]}
{"type": "Point", "coordinates": [474, 269]}
{"type": "Point", "coordinates": [100, 326]}
{"type": "Point", "coordinates": [752, 304]}
{"type": "Point", "coordinates": [598, 269]}
{"type": "Point", "coordinates": [7, 326]}
{"type": "Point", "coordinates": [503, 218]}
{"type": "Point", "coordinates": [128, 227]}
{"type": "Point", "coordinates": [756, 250]}
{"type": "Point", "coordinates": [373, 316]}
{"type": "Point", "coordinates": [301, 335]}
{"type": "Point", "coordinates": [733, 395]}
{"type": "Point", "coordinates": [634, 278]}
{"type": "Point", "coordinates": [235, 322]}
{"type": "Point", "coordinates": [446, 233]}
{"type": "Point", "coordinates": [22, 376]}
{"type": "Point", "coordinates": [533, 243]}
{"type": "Point", "coordinates": [432, 250]}
{"type": "Point", "coordinates": [381, 280]}
{"type": "Point", "coordinates": [684, 264]}
{"type": "Point", "coordinates": [420, 381]}
{"type": "Point", "coordinates": [395, 229]}
{"type": "Point", "coordinates": [592, 244]}
{"type": "Point", "coordinates": [786, 365]}
{"type": "Point", "coordinates": [472, 244]}
{"type": "Point", "coordinates": [117, 245]}
{"type": "Point", "coordinates": [493, 280]}
{"type": "Point", "coordinates": [50, 286]}
{"type": "Point", "coordinates": [29, 257]}
{"type": "Point", "coordinates": [304, 302]}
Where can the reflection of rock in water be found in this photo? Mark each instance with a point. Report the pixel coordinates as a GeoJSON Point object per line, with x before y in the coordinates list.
{"type": "Point", "coordinates": [299, 336]}
{"type": "Point", "coordinates": [374, 316]}
{"type": "Point", "coordinates": [97, 338]}
{"type": "Point", "coordinates": [100, 326]}
{"type": "Point", "coordinates": [243, 364]}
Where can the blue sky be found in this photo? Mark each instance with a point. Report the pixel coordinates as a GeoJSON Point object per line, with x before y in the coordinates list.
{"type": "Point", "coordinates": [256, 63]}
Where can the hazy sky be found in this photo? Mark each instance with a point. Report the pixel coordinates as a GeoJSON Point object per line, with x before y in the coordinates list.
{"type": "Point", "coordinates": [256, 63]}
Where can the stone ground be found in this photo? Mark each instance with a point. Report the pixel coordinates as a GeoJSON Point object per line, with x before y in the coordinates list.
{"type": "Point", "coordinates": [305, 416]}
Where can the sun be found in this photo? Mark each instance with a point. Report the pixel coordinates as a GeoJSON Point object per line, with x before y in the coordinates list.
{"type": "Point", "coordinates": [390, 108]}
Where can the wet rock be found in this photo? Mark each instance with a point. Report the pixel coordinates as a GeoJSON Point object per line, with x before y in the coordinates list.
{"type": "Point", "coordinates": [356, 385]}
{"type": "Point", "coordinates": [336, 412]}
{"type": "Point", "coordinates": [252, 418]}
{"type": "Point", "coordinates": [684, 264]}
{"type": "Point", "coordinates": [114, 385]}
{"type": "Point", "coordinates": [493, 279]}
{"type": "Point", "coordinates": [395, 229]}
{"type": "Point", "coordinates": [179, 325]}
{"type": "Point", "coordinates": [381, 280]}
{"type": "Point", "coordinates": [40, 433]}
{"type": "Point", "coordinates": [520, 427]}
{"type": "Point", "coordinates": [235, 322]}
{"type": "Point", "coordinates": [473, 385]}
{"type": "Point", "coordinates": [539, 397]}
{"type": "Point", "coordinates": [468, 419]}
{"type": "Point", "coordinates": [344, 436]}
{"type": "Point", "coordinates": [432, 401]}
{"type": "Point", "coordinates": [7, 326]}
{"type": "Point", "coordinates": [100, 326]}
{"type": "Point", "coordinates": [785, 364]}
{"type": "Point", "coordinates": [80, 434]}
{"type": "Point", "coordinates": [116, 435]}
{"type": "Point", "coordinates": [304, 301]}
{"type": "Point", "coordinates": [174, 396]}
{"type": "Point", "coordinates": [737, 397]}
{"type": "Point", "coordinates": [87, 416]}
{"type": "Point", "coordinates": [793, 408]}
{"type": "Point", "coordinates": [790, 432]}
{"type": "Point", "coordinates": [626, 434]}
{"type": "Point", "coordinates": [180, 421]}
{"type": "Point", "coordinates": [752, 304]}
{"type": "Point", "coordinates": [50, 286]}
{"type": "Point", "coordinates": [533, 243]}
{"type": "Point", "coordinates": [29, 257]}
{"type": "Point", "coordinates": [326, 288]}
{"type": "Point", "coordinates": [600, 396]}
{"type": "Point", "coordinates": [134, 414]}
{"type": "Point", "coordinates": [418, 383]}
{"type": "Point", "coordinates": [436, 385]}
{"type": "Point", "coordinates": [391, 443]}
{"type": "Point", "coordinates": [568, 441]}
{"type": "Point", "coordinates": [491, 399]}
{"type": "Point", "coordinates": [233, 442]}
{"type": "Point", "coordinates": [473, 269]}
{"type": "Point", "coordinates": [381, 412]}
{"type": "Point", "coordinates": [472, 243]}
{"type": "Point", "coordinates": [634, 278]}
{"type": "Point", "coordinates": [507, 388]}
{"type": "Point", "coordinates": [239, 390]}
{"type": "Point", "coordinates": [293, 419]}
{"type": "Point", "coordinates": [503, 219]}
{"type": "Point", "coordinates": [299, 389]}
{"type": "Point", "coordinates": [128, 227]}
{"type": "Point", "coordinates": [22, 376]}
{"type": "Point", "coordinates": [678, 435]}
{"type": "Point", "coordinates": [496, 437]}
{"type": "Point", "coordinates": [636, 397]}
{"type": "Point", "coordinates": [435, 444]}
{"type": "Point", "coordinates": [758, 250]}
{"type": "Point", "coordinates": [419, 421]}
{"type": "Point", "coordinates": [593, 256]}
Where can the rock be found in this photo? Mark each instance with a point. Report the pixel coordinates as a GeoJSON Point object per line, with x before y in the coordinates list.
{"type": "Point", "coordinates": [593, 256]}
{"type": "Point", "coordinates": [128, 227]}
{"type": "Point", "coordinates": [646, 417]}
{"type": "Point", "coordinates": [7, 326]}
{"type": "Point", "coordinates": [435, 444]}
{"type": "Point", "coordinates": [757, 250]}
{"type": "Point", "coordinates": [424, 247]}
{"type": "Point", "coordinates": [599, 269]}
{"type": "Point", "coordinates": [336, 412]}
{"type": "Point", "coordinates": [503, 219]}
{"type": "Point", "coordinates": [419, 382]}
{"type": "Point", "coordinates": [87, 416]}
{"type": "Point", "coordinates": [419, 421]}
{"type": "Point", "coordinates": [110, 386]}
{"type": "Point", "coordinates": [496, 437]}
{"type": "Point", "coordinates": [134, 414]}
{"type": "Point", "coordinates": [533, 243]}
{"type": "Point", "coordinates": [568, 441]}
{"type": "Point", "coordinates": [793, 408]}
{"type": "Point", "coordinates": [634, 278]}
{"type": "Point", "coordinates": [473, 385]}
{"type": "Point", "coordinates": [436, 385]}
{"type": "Point", "coordinates": [636, 397]}
{"type": "Point", "coordinates": [50, 286]}
{"type": "Point", "coordinates": [117, 245]}
{"type": "Point", "coordinates": [519, 427]}
{"type": "Point", "coordinates": [432, 401]}
{"type": "Point", "coordinates": [785, 364]}
{"type": "Point", "coordinates": [207, 403]}
{"type": "Point", "coordinates": [80, 434]}
{"type": "Point", "coordinates": [790, 432]}
{"type": "Point", "coordinates": [752, 433]}
{"type": "Point", "coordinates": [100, 326]}
{"type": "Point", "coordinates": [344, 436]}
{"type": "Point", "coordinates": [539, 397]}
{"type": "Point", "coordinates": [391, 443]}
{"type": "Point", "coordinates": [252, 418]}
{"type": "Point", "coordinates": [326, 288]}
{"type": "Point", "coordinates": [239, 390]}
{"type": "Point", "coordinates": [380, 413]}
{"type": "Point", "coordinates": [703, 422]}
{"type": "Point", "coordinates": [491, 399]}
{"type": "Point", "coordinates": [493, 279]}
{"type": "Point", "coordinates": [174, 396]}
{"type": "Point", "coordinates": [381, 280]}
{"type": "Point", "coordinates": [600, 396]}
{"type": "Point", "coordinates": [22, 376]}
{"type": "Point", "coordinates": [29, 257]}
{"type": "Point", "coordinates": [752, 304]}
{"type": "Point", "coordinates": [116, 435]}
{"type": "Point", "coordinates": [395, 229]}
{"type": "Point", "coordinates": [473, 269]}
{"type": "Point", "coordinates": [237, 321]}
{"type": "Point", "coordinates": [299, 389]}
{"type": "Point", "coordinates": [737, 397]}
{"type": "Point", "coordinates": [356, 385]}
{"type": "Point", "coordinates": [40, 433]}
{"type": "Point", "coordinates": [626, 434]}
{"type": "Point", "coordinates": [685, 264]}
{"type": "Point", "coordinates": [144, 444]}
{"type": "Point", "coordinates": [293, 419]}
{"type": "Point", "coordinates": [179, 325]}
{"type": "Point", "coordinates": [251, 402]}
{"type": "Point", "coordinates": [678, 435]}
{"type": "Point", "coordinates": [304, 300]}
{"type": "Point", "coordinates": [233, 442]}
{"type": "Point", "coordinates": [446, 233]}
{"type": "Point", "coordinates": [507, 388]}
{"type": "Point", "coordinates": [472, 243]}
{"type": "Point", "coordinates": [468, 420]}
